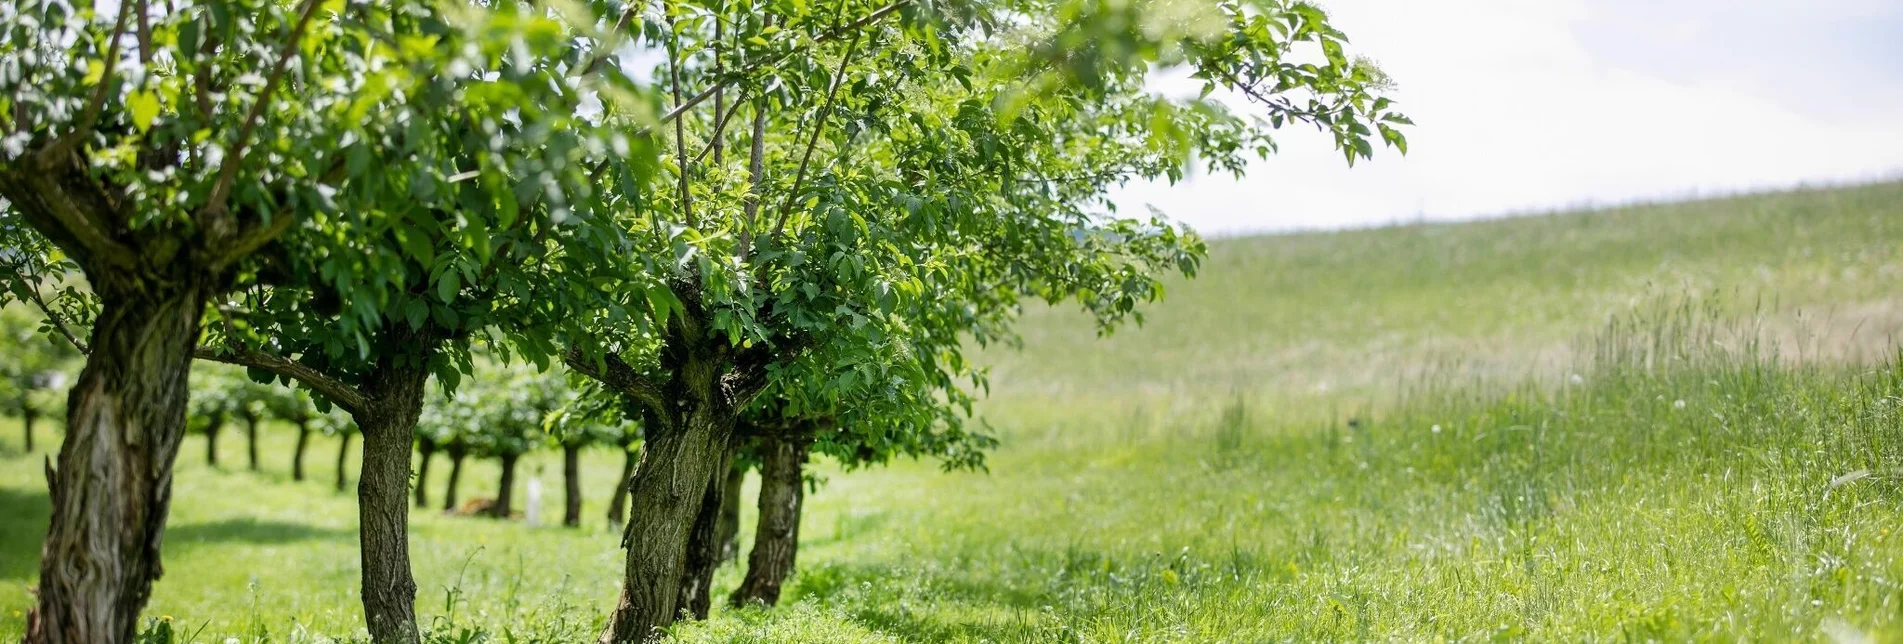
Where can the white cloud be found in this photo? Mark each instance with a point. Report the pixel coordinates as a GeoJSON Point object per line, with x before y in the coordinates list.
{"type": "Point", "coordinates": [1543, 104]}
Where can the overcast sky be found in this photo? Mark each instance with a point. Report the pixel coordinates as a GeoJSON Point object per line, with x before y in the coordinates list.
{"type": "Point", "coordinates": [1536, 105]}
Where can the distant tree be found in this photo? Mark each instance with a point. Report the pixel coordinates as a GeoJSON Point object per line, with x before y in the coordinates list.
{"type": "Point", "coordinates": [448, 422]}
{"type": "Point", "coordinates": [515, 403]}
{"type": "Point", "coordinates": [293, 406]}
{"type": "Point", "coordinates": [581, 422]}
{"type": "Point", "coordinates": [32, 368]}
{"type": "Point", "coordinates": [335, 423]}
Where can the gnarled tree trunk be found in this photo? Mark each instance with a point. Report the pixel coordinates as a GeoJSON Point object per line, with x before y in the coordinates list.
{"type": "Point", "coordinates": [456, 453]}
{"type": "Point", "coordinates": [678, 463]}
{"type": "Point", "coordinates": [776, 537]}
{"type": "Point", "coordinates": [703, 544]}
{"type": "Point", "coordinates": [297, 453]}
{"type": "Point", "coordinates": [393, 393]}
{"type": "Point", "coordinates": [728, 532]}
{"type": "Point", "coordinates": [425, 448]}
{"type": "Point", "coordinates": [505, 489]}
{"type": "Point", "coordinates": [110, 494]}
{"type": "Point", "coordinates": [618, 508]}
{"type": "Point", "coordinates": [571, 485]}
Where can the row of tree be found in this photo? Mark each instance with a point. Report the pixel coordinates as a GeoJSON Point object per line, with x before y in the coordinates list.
{"type": "Point", "coordinates": [747, 222]}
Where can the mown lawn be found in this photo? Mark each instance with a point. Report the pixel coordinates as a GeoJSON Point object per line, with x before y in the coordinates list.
{"type": "Point", "coordinates": [1413, 433]}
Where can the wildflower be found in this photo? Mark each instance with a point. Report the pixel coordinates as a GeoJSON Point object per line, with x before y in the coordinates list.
{"type": "Point", "coordinates": [1436, 429]}
{"type": "Point", "coordinates": [1678, 404]}
{"type": "Point", "coordinates": [165, 618]}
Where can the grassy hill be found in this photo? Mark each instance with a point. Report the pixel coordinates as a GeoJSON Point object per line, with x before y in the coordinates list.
{"type": "Point", "coordinates": [1720, 462]}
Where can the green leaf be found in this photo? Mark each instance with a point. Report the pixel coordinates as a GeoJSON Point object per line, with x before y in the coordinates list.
{"type": "Point", "coordinates": [448, 285]}
{"type": "Point", "coordinates": [144, 106]}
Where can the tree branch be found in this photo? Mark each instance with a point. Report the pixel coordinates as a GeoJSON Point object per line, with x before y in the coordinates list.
{"type": "Point", "coordinates": [680, 128]}
{"type": "Point", "coordinates": [337, 391]}
{"type": "Point", "coordinates": [52, 317]}
{"type": "Point", "coordinates": [756, 175]}
{"type": "Point", "coordinates": [90, 117]}
{"type": "Point", "coordinates": [228, 173]}
{"type": "Point", "coordinates": [825, 114]}
{"type": "Point", "coordinates": [610, 370]}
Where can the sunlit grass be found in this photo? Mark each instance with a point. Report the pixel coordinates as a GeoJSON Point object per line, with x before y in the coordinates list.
{"type": "Point", "coordinates": [1721, 462]}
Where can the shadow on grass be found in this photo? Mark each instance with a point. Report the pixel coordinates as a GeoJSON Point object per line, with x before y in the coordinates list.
{"type": "Point", "coordinates": [248, 530]}
{"type": "Point", "coordinates": [23, 518]}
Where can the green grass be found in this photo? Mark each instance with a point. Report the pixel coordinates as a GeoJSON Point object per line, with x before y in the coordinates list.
{"type": "Point", "coordinates": [1198, 480]}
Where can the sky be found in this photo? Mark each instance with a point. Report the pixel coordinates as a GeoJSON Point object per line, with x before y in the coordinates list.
{"type": "Point", "coordinates": [1526, 106]}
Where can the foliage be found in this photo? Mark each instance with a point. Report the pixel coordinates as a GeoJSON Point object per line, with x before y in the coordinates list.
{"type": "Point", "coordinates": [33, 365]}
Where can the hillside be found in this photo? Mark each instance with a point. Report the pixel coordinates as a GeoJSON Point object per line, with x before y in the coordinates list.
{"type": "Point", "coordinates": [1515, 467]}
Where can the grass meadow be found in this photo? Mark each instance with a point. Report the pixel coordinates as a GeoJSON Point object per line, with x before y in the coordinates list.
{"type": "Point", "coordinates": [1669, 422]}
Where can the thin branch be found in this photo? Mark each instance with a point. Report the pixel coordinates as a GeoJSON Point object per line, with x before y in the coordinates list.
{"type": "Point", "coordinates": [756, 177]}
{"type": "Point", "coordinates": [720, 130]}
{"type": "Point", "coordinates": [90, 117]}
{"type": "Point", "coordinates": [245, 242]}
{"type": "Point", "coordinates": [145, 33]}
{"type": "Point", "coordinates": [680, 129]}
{"type": "Point", "coordinates": [337, 391]}
{"type": "Point", "coordinates": [849, 28]}
{"type": "Point", "coordinates": [825, 113]}
{"type": "Point", "coordinates": [33, 290]}
{"type": "Point", "coordinates": [227, 174]}
{"type": "Point", "coordinates": [616, 374]}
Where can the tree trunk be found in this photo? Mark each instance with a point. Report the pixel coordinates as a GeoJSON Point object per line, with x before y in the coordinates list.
{"type": "Point", "coordinates": [571, 485]}
{"type": "Point", "coordinates": [776, 537]}
{"type": "Point", "coordinates": [728, 534]}
{"type": "Point", "coordinates": [297, 453]}
{"type": "Point", "coordinates": [125, 417]}
{"type": "Point", "coordinates": [27, 415]}
{"type": "Point", "coordinates": [678, 461]}
{"type": "Point", "coordinates": [251, 440]}
{"type": "Point", "coordinates": [618, 508]}
{"type": "Point", "coordinates": [703, 544]}
{"type": "Point", "coordinates": [456, 454]}
{"type": "Point", "coordinates": [505, 490]}
{"type": "Point", "coordinates": [425, 449]}
{"type": "Point", "coordinates": [212, 429]}
{"type": "Point", "coordinates": [343, 454]}
{"type": "Point", "coordinates": [393, 393]}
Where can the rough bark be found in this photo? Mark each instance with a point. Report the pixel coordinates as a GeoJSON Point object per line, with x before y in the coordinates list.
{"type": "Point", "coordinates": [670, 482]}
{"type": "Point", "coordinates": [425, 448]}
{"type": "Point", "coordinates": [505, 489]}
{"type": "Point", "coordinates": [703, 544]}
{"type": "Point", "coordinates": [456, 454]}
{"type": "Point", "coordinates": [618, 508]}
{"type": "Point", "coordinates": [393, 393]}
{"type": "Point", "coordinates": [776, 537]}
{"type": "Point", "coordinates": [214, 427]}
{"type": "Point", "coordinates": [27, 417]}
{"type": "Point", "coordinates": [728, 533]}
{"type": "Point", "coordinates": [297, 453]}
{"type": "Point", "coordinates": [113, 487]}
{"type": "Point", "coordinates": [343, 456]}
{"type": "Point", "coordinates": [571, 485]}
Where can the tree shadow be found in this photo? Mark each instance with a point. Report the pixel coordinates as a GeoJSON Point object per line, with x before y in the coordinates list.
{"type": "Point", "coordinates": [248, 530]}
{"type": "Point", "coordinates": [836, 582]}
{"type": "Point", "coordinates": [26, 514]}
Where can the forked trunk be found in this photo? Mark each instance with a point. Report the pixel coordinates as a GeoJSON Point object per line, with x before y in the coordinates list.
{"type": "Point", "coordinates": [678, 463]}
{"type": "Point", "coordinates": [703, 544]}
{"type": "Point", "coordinates": [425, 448]}
{"type": "Point", "coordinates": [213, 428]}
{"type": "Point", "coordinates": [343, 461]}
{"type": "Point", "coordinates": [394, 400]}
{"type": "Point", "coordinates": [27, 416]}
{"type": "Point", "coordinates": [297, 453]}
{"type": "Point", "coordinates": [456, 454]}
{"type": "Point", "coordinates": [728, 533]}
{"type": "Point", "coordinates": [251, 440]}
{"type": "Point", "coordinates": [125, 417]}
{"type": "Point", "coordinates": [618, 508]}
{"type": "Point", "coordinates": [776, 537]}
{"type": "Point", "coordinates": [571, 485]}
{"type": "Point", "coordinates": [505, 489]}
